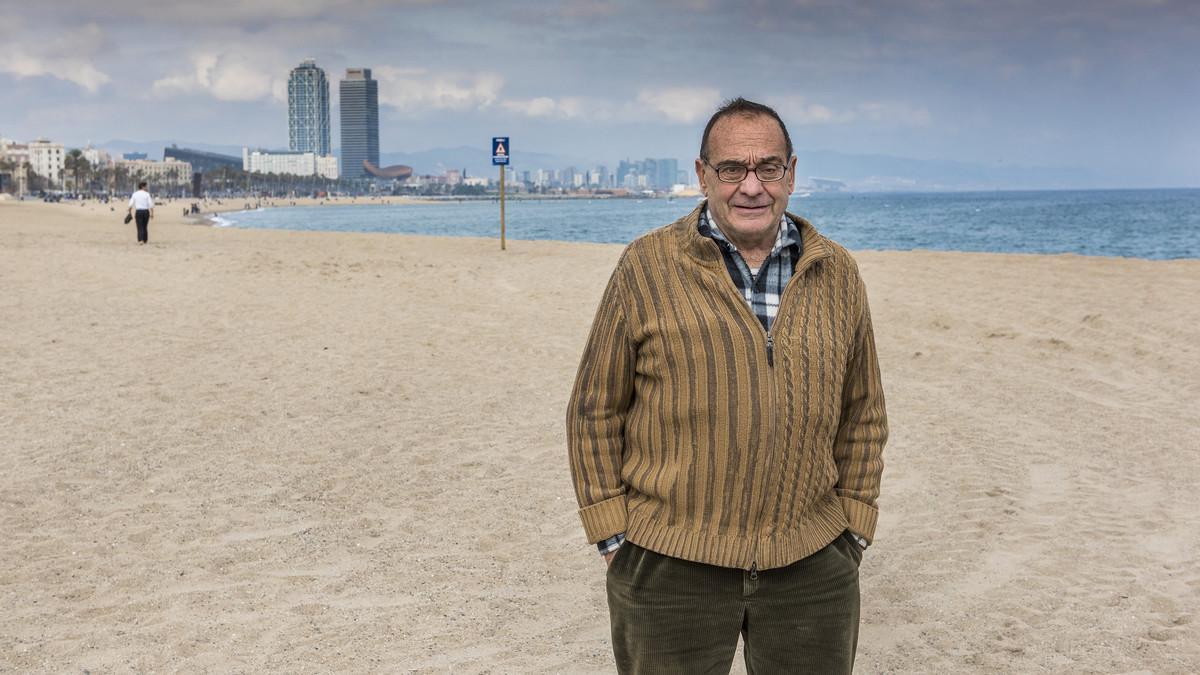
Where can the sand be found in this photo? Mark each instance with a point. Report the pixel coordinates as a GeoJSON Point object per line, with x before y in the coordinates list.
{"type": "Point", "coordinates": [260, 451]}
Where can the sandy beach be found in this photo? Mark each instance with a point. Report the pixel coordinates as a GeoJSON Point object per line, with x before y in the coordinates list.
{"type": "Point", "coordinates": [266, 451]}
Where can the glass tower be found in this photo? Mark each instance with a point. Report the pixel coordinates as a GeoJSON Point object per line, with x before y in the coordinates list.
{"type": "Point", "coordinates": [358, 98]}
{"type": "Point", "coordinates": [308, 109]}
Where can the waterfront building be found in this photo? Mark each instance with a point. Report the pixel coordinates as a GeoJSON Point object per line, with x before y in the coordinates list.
{"type": "Point", "coordinates": [201, 161]}
{"type": "Point", "coordinates": [17, 153]}
{"type": "Point", "coordinates": [358, 98]}
{"type": "Point", "coordinates": [668, 172]}
{"type": "Point", "coordinates": [46, 158]}
{"type": "Point", "coordinates": [15, 179]}
{"type": "Point", "coordinates": [598, 177]}
{"type": "Point", "coordinates": [308, 109]}
{"type": "Point", "coordinates": [96, 157]}
{"type": "Point", "coordinates": [290, 163]}
{"type": "Point", "coordinates": [166, 172]}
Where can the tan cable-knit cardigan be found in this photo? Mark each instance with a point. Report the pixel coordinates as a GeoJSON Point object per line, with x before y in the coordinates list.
{"type": "Point", "coordinates": [701, 436]}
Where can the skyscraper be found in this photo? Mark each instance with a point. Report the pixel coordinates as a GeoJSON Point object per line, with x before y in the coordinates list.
{"type": "Point", "coordinates": [668, 171]}
{"type": "Point", "coordinates": [308, 109]}
{"type": "Point", "coordinates": [358, 96]}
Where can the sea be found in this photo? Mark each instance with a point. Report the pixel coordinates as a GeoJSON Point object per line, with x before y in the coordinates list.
{"type": "Point", "coordinates": [1153, 224]}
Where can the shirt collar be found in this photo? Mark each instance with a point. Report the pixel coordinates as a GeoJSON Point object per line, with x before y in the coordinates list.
{"type": "Point", "coordinates": [788, 235]}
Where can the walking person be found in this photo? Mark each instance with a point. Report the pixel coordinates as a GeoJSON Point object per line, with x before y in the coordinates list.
{"type": "Point", "coordinates": [727, 425]}
{"type": "Point", "coordinates": [141, 205]}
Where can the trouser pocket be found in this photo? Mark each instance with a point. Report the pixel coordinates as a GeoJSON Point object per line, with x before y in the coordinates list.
{"type": "Point", "coordinates": [850, 547]}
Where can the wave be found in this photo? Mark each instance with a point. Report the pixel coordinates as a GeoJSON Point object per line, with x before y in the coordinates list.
{"type": "Point", "coordinates": [220, 219]}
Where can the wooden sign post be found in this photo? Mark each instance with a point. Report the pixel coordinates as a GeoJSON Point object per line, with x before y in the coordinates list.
{"type": "Point", "coordinates": [500, 155]}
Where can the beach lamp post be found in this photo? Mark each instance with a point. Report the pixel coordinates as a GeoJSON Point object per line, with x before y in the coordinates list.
{"type": "Point", "coordinates": [500, 155]}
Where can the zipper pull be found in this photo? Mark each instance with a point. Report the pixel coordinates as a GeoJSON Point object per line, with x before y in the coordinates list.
{"type": "Point", "coordinates": [753, 571]}
{"type": "Point", "coordinates": [770, 350]}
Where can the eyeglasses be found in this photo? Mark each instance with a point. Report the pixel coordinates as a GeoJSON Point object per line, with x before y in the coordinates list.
{"type": "Point", "coordinates": [736, 173]}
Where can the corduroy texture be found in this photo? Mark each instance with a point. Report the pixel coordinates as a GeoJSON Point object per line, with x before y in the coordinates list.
{"type": "Point", "coordinates": [685, 436]}
{"type": "Point", "coordinates": [675, 616]}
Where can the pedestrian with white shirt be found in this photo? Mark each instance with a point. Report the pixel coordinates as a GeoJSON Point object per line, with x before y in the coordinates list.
{"type": "Point", "coordinates": [141, 205]}
{"type": "Point", "coordinates": [727, 426]}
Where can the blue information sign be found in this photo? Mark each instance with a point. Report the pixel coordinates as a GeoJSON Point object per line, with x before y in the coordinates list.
{"type": "Point", "coordinates": [499, 150]}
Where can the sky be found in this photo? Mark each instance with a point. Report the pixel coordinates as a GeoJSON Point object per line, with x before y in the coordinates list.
{"type": "Point", "coordinates": [1112, 86]}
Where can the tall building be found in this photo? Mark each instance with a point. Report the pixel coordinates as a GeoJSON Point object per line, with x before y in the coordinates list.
{"type": "Point", "coordinates": [46, 158]}
{"type": "Point", "coordinates": [358, 96]}
{"type": "Point", "coordinates": [668, 171]}
{"type": "Point", "coordinates": [308, 109]}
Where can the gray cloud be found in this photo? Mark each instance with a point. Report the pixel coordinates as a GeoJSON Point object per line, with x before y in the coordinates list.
{"type": "Point", "coordinates": [957, 79]}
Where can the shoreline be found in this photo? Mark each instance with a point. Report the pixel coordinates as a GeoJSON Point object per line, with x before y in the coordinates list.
{"type": "Point", "coordinates": [206, 219]}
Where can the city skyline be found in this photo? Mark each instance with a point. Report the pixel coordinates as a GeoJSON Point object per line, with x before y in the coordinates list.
{"type": "Point", "coordinates": [1102, 88]}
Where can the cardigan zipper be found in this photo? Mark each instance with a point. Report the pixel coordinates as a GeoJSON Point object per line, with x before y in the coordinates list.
{"type": "Point", "coordinates": [774, 403]}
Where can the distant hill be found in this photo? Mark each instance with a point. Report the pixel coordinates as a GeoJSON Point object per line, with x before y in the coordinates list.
{"type": "Point", "coordinates": [867, 173]}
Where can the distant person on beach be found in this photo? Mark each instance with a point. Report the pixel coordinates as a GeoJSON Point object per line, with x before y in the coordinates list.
{"type": "Point", "coordinates": [141, 205]}
{"type": "Point", "coordinates": [727, 425]}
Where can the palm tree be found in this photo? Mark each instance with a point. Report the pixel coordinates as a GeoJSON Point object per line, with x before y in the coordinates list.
{"type": "Point", "coordinates": [8, 168]}
{"type": "Point", "coordinates": [75, 163]}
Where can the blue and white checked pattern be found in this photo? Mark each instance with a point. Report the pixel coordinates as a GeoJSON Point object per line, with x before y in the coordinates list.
{"type": "Point", "coordinates": [611, 544]}
{"type": "Point", "coordinates": [762, 288]}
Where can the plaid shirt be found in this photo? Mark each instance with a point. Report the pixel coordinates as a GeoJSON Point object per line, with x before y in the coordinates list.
{"type": "Point", "coordinates": [760, 289]}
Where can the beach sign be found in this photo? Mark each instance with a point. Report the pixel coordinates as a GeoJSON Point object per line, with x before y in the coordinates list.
{"type": "Point", "coordinates": [500, 158]}
{"type": "Point", "coordinates": [499, 150]}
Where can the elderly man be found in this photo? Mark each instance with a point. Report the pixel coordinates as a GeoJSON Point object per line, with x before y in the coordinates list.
{"type": "Point", "coordinates": [727, 425]}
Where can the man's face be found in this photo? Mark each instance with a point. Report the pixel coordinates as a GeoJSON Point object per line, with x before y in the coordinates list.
{"type": "Point", "coordinates": [749, 211]}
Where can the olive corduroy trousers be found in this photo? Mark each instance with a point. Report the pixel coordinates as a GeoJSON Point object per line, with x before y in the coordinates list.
{"type": "Point", "coordinates": [676, 616]}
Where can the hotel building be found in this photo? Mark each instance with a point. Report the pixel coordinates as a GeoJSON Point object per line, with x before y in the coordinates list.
{"type": "Point", "coordinates": [308, 109]}
{"type": "Point", "coordinates": [358, 99]}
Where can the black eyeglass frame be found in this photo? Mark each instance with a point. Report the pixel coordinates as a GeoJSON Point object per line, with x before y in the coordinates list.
{"type": "Point", "coordinates": [746, 171]}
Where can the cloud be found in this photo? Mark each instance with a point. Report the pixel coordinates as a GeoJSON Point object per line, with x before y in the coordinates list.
{"type": "Point", "coordinates": [232, 13]}
{"type": "Point", "coordinates": [229, 77]}
{"type": "Point", "coordinates": [681, 104]}
{"type": "Point", "coordinates": [417, 89]}
{"type": "Point", "coordinates": [796, 110]}
{"type": "Point", "coordinates": [544, 106]}
{"type": "Point", "coordinates": [69, 56]}
{"type": "Point", "coordinates": [895, 114]}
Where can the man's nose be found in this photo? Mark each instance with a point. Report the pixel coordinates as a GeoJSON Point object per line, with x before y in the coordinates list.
{"type": "Point", "coordinates": [750, 185]}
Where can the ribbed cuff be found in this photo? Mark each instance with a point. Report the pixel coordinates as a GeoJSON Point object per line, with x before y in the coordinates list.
{"type": "Point", "coordinates": [604, 519]}
{"type": "Point", "coordinates": [862, 517]}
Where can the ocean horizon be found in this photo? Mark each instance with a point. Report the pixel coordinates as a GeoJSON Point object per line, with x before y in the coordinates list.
{"type": "Point", "coordinates": [1157, 224]}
